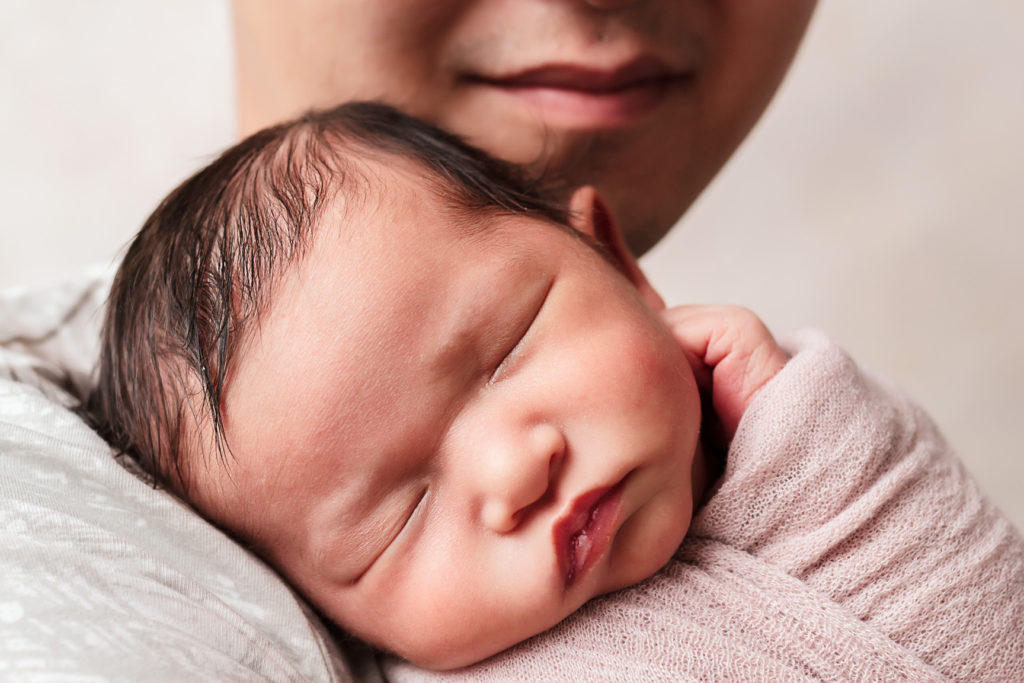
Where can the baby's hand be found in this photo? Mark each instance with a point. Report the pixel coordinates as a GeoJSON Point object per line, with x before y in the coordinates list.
{"type": "Point", "coordinates": [732, 355]}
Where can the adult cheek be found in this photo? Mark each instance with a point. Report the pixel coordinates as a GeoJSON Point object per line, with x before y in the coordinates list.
{"type": "Point", "coordinates": [758, 40]}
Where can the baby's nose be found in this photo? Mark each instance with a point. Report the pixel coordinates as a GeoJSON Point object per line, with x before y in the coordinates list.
{"type": "Point", "coordinates": [520, 475]}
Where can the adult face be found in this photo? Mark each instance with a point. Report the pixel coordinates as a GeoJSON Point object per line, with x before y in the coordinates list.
{"type": "Point", "coordinates": [643, 99]}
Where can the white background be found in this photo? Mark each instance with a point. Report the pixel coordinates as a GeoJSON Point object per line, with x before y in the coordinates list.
{"type": "Point", "coordinates": [881, 198]}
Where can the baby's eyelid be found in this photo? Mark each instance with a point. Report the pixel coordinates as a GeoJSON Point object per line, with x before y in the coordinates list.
{"type": "Point", "coordinates": [412, 514]}
{"type": "Point", "coordinates": [399, 532]}
{"type": "Point", "coordinates": [502, 368]}
{"type": "Point", "coordinates": [506, 364]}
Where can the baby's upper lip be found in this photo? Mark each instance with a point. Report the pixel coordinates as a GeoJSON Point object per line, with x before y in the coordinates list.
{"type": "Point", "coordinates": [587, 78]}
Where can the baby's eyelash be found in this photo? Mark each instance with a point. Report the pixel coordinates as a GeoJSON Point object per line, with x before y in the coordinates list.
{"type": "Point", "coordinates": [412, 513]}
{"type": "Point", "coordinates": [397, 532]}
{"type": "Point", "coordinates": [508, 359]}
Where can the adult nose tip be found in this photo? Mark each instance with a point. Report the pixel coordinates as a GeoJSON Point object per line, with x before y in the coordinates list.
{"type": "Point", "coordinates": [525, 480]}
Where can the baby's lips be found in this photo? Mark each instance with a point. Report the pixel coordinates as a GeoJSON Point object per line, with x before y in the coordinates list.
{"type": "Point", "coordinates": [584, 531]}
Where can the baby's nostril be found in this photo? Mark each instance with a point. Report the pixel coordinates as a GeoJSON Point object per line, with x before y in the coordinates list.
{"type": "Point", "coordinates": [555, 466]}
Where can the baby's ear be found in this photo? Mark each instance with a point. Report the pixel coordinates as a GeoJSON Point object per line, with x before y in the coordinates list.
{"type": "Point", "coordinates": [590, 215]}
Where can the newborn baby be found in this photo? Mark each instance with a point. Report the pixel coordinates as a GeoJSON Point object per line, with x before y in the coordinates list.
{"type": "Point", "coordinates": [447, 411]}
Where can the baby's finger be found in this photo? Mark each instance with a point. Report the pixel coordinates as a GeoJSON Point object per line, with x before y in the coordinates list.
{"type": "Point", "coordinates": [733, 347]}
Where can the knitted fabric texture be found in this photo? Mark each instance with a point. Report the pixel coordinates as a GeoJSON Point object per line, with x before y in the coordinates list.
{"type": "Point", "coordinates": [844, 542]}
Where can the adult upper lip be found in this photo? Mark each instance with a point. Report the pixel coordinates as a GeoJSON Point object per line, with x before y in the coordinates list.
{"type": "Point", "coordinates": [586, 78]}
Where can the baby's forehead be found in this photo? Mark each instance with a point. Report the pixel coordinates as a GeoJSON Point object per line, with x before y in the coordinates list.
{"type": "Point", "coordinates": [384, 199]}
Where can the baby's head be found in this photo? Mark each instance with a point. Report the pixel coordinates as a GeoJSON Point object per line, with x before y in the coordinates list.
{"type": "Point", "coordinates": [445, 410]}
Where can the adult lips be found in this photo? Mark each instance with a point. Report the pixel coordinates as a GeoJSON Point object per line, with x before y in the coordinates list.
{"type": "Point", "coordinates": [643, 72]}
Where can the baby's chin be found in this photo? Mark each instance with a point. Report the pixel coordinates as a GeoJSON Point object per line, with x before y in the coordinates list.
{"type": "Point", "coordinates": [439, 654]}
{"type": "Point", "coordinates": [622, 578]}
{"type": "Point", "coordinates": [445, 656]}
{"type": "Point", "coordinates": [461, 648]}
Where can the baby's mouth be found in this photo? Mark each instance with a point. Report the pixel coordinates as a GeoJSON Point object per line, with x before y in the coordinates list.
{"type": "Point", "coordinates": [584, 532]}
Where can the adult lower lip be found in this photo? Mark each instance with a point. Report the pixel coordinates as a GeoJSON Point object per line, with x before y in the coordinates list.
{"type": "Point", "coordinates": [582, 108]}
{"type": "Point", "coordinates": [584, 533]}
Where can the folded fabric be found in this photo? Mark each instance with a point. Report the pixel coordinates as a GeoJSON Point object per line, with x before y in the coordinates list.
{"type": "Point", "coordinates": [50, 335]}
{"type": "Point", "coordinates": [102, 577]}
{"type": "Point", "coordinates": [844, 542]}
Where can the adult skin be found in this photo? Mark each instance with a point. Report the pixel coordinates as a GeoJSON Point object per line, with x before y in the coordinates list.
{"type": "Point", "coordinates": [643, 99]}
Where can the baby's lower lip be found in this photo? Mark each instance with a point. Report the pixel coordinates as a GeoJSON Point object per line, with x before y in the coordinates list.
{"type": "Point", "coordinates": [583, 536]}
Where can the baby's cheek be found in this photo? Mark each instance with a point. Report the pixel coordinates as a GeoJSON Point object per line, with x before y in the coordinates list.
{"type": "Point", "coordinates": [649, 538]}
{"type": "Point", "coordinates": [463, 602]}
{"type": "Point", "coordinates": [662, 378]}
{"type": "Point", "coordinates": [424, 620]}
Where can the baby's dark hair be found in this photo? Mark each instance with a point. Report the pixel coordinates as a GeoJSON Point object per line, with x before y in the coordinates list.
{"type": "Point", "coordinates": [198, 275]}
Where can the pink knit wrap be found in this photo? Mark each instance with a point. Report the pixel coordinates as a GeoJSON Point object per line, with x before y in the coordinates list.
{"type": "Point", "coordinates": [844, 542]}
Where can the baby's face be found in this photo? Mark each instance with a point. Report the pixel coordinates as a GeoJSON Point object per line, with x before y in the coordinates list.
{"type": "Point", "coordinates": [450, 439]}
{"type": "Point", "coordinates": [644, 100]}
